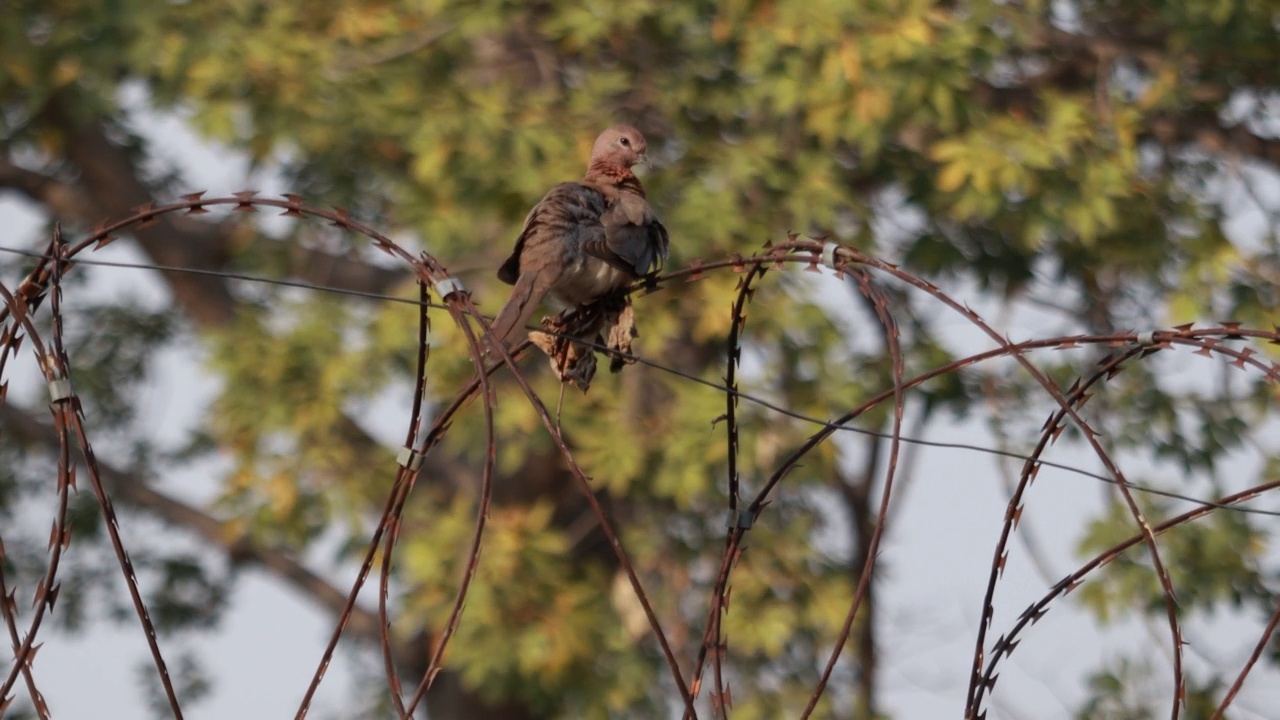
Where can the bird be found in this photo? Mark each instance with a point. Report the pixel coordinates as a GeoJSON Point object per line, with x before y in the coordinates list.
{"type": "Point", "coordinates": [584, 239]}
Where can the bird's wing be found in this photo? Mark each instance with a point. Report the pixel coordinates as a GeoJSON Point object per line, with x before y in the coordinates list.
{"type": "Point", "coordinates": [634, 240]}
{"type": "Point", "coordinates": [569, 215]}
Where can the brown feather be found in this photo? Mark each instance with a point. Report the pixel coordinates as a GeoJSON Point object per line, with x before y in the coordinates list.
{"type": "Point", "coordinates": [583, 240]}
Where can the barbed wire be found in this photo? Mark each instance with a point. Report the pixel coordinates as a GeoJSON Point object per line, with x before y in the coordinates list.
{"type": "Point", "coordinates": [45, 280]}
{"type": "Point", "coordinates": [229, 275]}
{"type": "Point", "coordinates": [729, 389]}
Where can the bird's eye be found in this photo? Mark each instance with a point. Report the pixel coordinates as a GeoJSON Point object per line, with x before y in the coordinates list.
{"type": "Point", "coordinates": [625, 142]}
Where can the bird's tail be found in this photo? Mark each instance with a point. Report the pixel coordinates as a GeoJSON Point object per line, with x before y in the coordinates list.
{"type": "Point", "coordinates": [509, 325]}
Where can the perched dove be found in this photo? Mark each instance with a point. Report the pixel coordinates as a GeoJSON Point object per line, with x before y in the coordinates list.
{"type": "Point", "coordinates": [584, 239]}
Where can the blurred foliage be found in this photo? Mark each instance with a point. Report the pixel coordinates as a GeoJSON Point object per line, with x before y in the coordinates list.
{"type": "Point", "coordinates": [1118, 694]}
{"type": "Point", "coordinates": [1218, 561]}
{"type": "Point", "coordinates": [1061, 154]}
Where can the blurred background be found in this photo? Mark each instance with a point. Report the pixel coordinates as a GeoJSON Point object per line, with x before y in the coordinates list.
{"type": "Point", "coordinates": [1064, 168]}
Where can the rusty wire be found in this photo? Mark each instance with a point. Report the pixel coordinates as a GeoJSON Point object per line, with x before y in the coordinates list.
{"type": "Point", "coordinates": [865, 273]}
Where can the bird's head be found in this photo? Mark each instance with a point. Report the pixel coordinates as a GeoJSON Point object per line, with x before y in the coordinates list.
{"type": "Point", "coordinates": [620, 145]}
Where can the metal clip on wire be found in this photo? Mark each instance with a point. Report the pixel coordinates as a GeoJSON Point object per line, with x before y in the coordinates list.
{"type": "Point", "coordinates": [447, 286]}
{"type": "Point", "coordinates": [742, 520]}
{"type": "Point", "coordinates": [410, 459]}
{"type": "Point", "coordinates": [829, 254]}
{"type": "Point", "coordinates": [59, 389]}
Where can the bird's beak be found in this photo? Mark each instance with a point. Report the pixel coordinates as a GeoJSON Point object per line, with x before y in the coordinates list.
{"type": "Point", "coordinates": [643, 159]}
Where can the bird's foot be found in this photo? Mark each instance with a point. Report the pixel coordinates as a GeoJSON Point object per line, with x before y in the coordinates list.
{"type": "Point", "coordinates": [611, 326]}
{"type": "Point", "coordinates": [571, 359]}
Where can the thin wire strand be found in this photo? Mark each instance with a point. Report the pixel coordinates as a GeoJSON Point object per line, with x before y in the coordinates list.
{"type": "Point", "coordinates": [231, 276]}
{"type": "Point", "coordinates": [667, 369]}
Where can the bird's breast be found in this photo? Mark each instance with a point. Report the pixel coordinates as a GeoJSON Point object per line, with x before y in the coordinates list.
{"type": "Point", "coordinates": [584, 281]}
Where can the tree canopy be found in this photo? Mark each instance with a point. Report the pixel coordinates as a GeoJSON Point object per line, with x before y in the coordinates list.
{"type": "Point", "coordinates": [1103, 166]}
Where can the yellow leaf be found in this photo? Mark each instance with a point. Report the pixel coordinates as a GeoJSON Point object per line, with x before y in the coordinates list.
{"type": "Point", "coordinates": [943, 102]}
{"type": "Point", "coordinates": [870, 104]}
{"type": "Point", "coordinates": [851, 61]}
{"type": "Point", "coordinates": [1010, 176]}
{"type": "Point", "coordinates": [66, 71]}
{"type": "Point", "coordinates": [429, 163]}
{"type": "Point", "coordinates": [1166, 79]}
{"type": "Point", "coordinates": [21, 72]}
{"type": "Point", "coordinates": [952, 177]}
{"type": "Point", "coordinates": [944, 150]}
{"type": "Point", "coordinates": [915, 30]}
{"type": "Point", "coordinates": [282, 493]}
{"type": "Point", "coordinates": [1184, 308]}
{"type": "Point", "coordinates": [981, 179]}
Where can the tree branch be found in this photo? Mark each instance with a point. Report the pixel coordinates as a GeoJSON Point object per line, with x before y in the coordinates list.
{"type": "Point", "coordinates": [319, 267]}
{"type": "Point", "coordinates": [1204, 128]}
{"type": "Point", "coordinates": [450, 693]}
{"type": "Point", "coordinates": [60, 198]}
{"type": "Point", "coordinates": [26, 431]}
{"type": "Point", "coordinates": [110, 185]}
{"type": "Point", "coordinates": [111, 182]}
{"type": "Point", "coordinates": [70, 203]}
